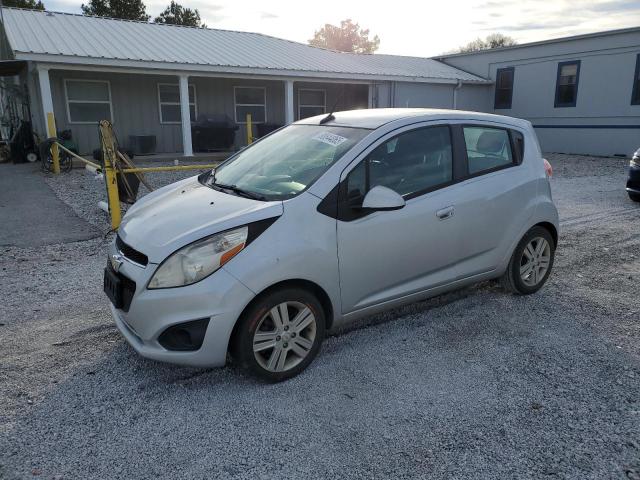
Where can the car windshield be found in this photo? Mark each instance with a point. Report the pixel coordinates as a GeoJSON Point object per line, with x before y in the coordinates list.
{"type": "Point", "coordinates": [285, 163]}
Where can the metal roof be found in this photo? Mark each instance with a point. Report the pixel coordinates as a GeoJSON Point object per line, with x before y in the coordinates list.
{"type": "Point", "coordinates": [571, 38]}
{"type": "Point", "coordinates": [70, 38]}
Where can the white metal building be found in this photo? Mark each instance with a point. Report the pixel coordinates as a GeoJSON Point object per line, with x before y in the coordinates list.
{"type": "Point", "coordinates": [152, 79]}
{"type": "Point", "coordinates": [582, 93]}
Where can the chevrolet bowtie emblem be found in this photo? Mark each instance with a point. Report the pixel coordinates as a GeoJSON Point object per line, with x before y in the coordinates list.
{"type": "Point", "coordinates": [116, 261]}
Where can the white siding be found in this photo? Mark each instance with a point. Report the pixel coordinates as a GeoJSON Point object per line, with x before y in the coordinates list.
{"type": "Point", "coordinates": [603, 107]}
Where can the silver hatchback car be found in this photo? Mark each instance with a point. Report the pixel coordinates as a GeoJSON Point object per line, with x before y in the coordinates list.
{"type": "Point", "coordinates": [325, 221]}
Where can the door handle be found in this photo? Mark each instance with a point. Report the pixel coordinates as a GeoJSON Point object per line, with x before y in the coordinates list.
{"type": "Point", "coordinates": [445, 213]}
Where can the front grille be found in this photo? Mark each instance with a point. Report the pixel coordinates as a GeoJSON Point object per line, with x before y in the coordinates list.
{"type": "Point", "coordinates": [131, 253]}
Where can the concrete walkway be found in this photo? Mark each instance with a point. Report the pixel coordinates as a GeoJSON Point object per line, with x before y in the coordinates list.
{"type": "Point", "coordinates": [31, 215]}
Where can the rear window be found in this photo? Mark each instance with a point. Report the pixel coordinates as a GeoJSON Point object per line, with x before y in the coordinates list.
{"type": "Point", "coordinates": [488, 149]}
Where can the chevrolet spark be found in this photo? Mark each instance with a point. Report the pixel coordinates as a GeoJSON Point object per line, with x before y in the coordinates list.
{"type": "Point", "coordinates": [324, 221]}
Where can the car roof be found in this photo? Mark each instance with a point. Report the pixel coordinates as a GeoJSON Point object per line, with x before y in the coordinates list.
{"type": "Point", "coordinates": [376, 117]}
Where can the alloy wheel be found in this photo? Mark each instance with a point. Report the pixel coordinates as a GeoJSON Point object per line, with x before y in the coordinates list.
{"type": "Point", "coordinates": [535, 261]}
{"type": "Point", "coordinates": [284, 337]}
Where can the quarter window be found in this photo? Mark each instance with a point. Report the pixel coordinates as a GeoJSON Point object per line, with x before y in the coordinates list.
{"type": "Point", "coordinates": [169, 101]}
{"type": "Point", "coordinates": [88, 101]}
{"type": "Point", "coordinates": [635, 96]}
{"type": "Point", "coordinates": [251, 100]}
{"type": "Point", "coordinates": [488, 149]}
{"type": "Point", "coordinates": [411, 163]}
{"type": "Point", "coordinates": [504, 88]}
{"type": "Point", "coordinates": [518, 145]}
{"type": "Point", "coordinates": [567, 84]}
{"type": "Point", "coordinates": [311, 102]}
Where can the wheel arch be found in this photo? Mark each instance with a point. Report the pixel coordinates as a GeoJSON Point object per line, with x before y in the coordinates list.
{"type": "Point", "coordinates": [551, 228]}
{"type": "Point", "coordinates": [312, 287]}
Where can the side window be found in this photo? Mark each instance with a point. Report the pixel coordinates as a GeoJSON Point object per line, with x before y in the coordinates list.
{"type": "Point", "coordinates": [635, 93]}
{"type": "Point", "coordinates": [409, 163]}
{"type": "Point", "coordinates": [357, 184]}
{"type": "Point", "coordinates": [567, 84]}
{"type": "Point", "coordinates": [504, 88]}
{"type": "Point", "coordinates": [487, 148]}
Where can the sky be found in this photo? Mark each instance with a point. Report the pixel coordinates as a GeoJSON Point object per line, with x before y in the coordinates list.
{"type": "Point", "coordinates": [418, 28]}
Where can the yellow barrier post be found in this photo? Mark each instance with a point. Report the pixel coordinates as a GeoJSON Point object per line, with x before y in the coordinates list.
{"type": "Point", "coordinates": [55, 154]}
{"type": "Point", "coordinates": [249, 130]}
{"type": "Point", "coordinates": [109, 159]}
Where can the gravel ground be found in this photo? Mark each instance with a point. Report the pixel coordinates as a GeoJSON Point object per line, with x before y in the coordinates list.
{"type": "Point", "coordinates": [472, 384]}
{"type": "Point", "coordinates": [83, 190]}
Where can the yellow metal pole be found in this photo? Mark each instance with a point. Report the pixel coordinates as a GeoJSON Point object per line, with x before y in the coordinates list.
{"type": "Point", "coordinates": [109, 159]}
{"type": "Point", "coordinates": [249, 130]}
{"type": "Point", "coordinates": [55, 155]}
{"type": "Point", "coordinates": [112, 195]}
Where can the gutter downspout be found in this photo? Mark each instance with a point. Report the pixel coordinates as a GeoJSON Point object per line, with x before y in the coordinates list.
{"type": "Point", "coordinates": [455, 94]}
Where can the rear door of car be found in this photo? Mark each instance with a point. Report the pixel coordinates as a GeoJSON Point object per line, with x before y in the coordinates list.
{"type": "Point", "coordinates": [494, 201]}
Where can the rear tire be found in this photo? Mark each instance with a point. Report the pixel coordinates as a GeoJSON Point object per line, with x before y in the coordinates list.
{"type": "Point", "coordinates": [634, 196]}
{"type": "Point", "coordinates": [531, 262]}
{"type": "Point", "coordinates": [280, 334]}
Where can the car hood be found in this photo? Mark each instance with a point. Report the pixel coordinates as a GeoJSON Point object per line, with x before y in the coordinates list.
{"type": "Point", "coordinates": [174, 216]}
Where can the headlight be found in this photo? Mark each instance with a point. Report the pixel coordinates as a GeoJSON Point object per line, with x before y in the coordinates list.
{"type": "Point", "coordinates": [635, 161]}
{"type": "Point", "coordinates": [200, 259]}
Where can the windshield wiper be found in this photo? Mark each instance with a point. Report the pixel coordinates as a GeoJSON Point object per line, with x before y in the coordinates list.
{"type": "Point", "coordinates": [240, 191]}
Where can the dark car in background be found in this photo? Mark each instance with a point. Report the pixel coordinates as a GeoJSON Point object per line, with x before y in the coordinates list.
{"type": "Point", "coordinates": [633, 182]}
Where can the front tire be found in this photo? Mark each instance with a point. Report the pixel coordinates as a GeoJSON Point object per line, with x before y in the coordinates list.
{"type": "Point", "coordinates": [280, 334]}
{"type": "Point", "coordinates": [531, 262]}
{"type": "Point", "coordinates": [634, 196]}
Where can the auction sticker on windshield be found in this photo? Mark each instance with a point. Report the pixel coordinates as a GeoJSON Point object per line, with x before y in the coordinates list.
{"type": "Point", "coordinates": [330, 138]}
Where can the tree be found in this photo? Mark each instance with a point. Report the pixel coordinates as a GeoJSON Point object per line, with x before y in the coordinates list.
{"type": "Point", "coordinates": [124, 9]}
{"type": "Point", "coordinates": [176, 14]}
{"type": "Point", "coordinates": [32, 4]}
{"type": "Point", "coordinates": [495, 40]}
{"type": "Point", "coordinates": [348, 37]}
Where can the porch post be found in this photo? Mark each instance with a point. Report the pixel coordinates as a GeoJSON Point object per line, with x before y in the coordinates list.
{"type": "Point", "coordinates": [288, 102]}
{"type": "Point", "coordinates": [185, 113]}
{"type": "Point", "coordinates": [45, 95]}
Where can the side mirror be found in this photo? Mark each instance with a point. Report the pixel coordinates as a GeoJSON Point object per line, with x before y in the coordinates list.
{"type": "Point", "coordinates": [382, 198]}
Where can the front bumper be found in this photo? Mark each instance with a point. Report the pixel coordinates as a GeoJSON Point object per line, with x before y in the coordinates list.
{"type": "Point", "coordinates": [219, 297]}
{"type": "Point", "coordinates": [633, 180]}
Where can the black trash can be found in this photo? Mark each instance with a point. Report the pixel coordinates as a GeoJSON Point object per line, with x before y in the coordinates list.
{"type": "Point", "coordinates": [213, 132]}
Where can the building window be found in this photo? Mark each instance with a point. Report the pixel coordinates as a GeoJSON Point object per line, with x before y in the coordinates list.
{"type": "Point", "coordinates": [635, 96]}
{"type": "Point", "coordinates": [504, 88]}
{"type": "Point", "coordinates": [567, 84]}
{"type": "Point", "coordinates": [169, 101]}
{"type": "Point", "coordinates": [88, 101]}
{"type": "Point", "coordinates": [311, 102]}
{"type": "Point", "coordinates": [251, 100]}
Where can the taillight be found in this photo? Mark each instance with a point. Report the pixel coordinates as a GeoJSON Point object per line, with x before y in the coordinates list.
{"type": "Point", "coordinates": [548, 169]}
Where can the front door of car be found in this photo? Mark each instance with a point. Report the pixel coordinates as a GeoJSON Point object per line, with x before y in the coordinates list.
{"type": "Point", "coordinates": [385, 255]}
